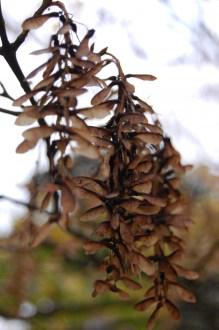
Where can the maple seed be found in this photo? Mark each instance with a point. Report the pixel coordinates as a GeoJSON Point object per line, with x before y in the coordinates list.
{"type": "Point", "coordinates": [132, 202]}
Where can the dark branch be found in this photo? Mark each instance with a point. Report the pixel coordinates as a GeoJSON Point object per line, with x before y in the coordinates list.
{"type": "Point", "coordinates": [5, 93]}
{"type": "Point", "coordinates": [8, 50]}
{"type": "Point", "coordinates": [3, 33]}
{"type": "Point", "coordinates": [10, 112]}
{"type": "Point", "coordinates": [27, 205]}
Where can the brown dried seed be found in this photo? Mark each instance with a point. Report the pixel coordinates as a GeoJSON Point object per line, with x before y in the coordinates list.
{"type": "Point", "coordinates": [25, 146]}
{"type": "Point", "coordinates": [153, 317]}
{"type": "Point", "coordinates": [141, 76]}
{"type": "Point", "coordinates": [68, 201]}
{"type": "Point", "coordinates": [92, 247]}
{"type": "Point", "coordinates": [36, 133]}
{"type": "Point", "coordinates": [97, 112]}
{"type": "Point", "coordinates": [126, 233]}
{"type": "Point", "coordinates": [100, 287]}
{"type": "Point", "coordinates": [144, 304]}
{"type": "Point", "coordinates": [83, 49]}
{"type": "Point", "coordinates": [173, 310]}
{"type": "Point", "coordinates": [130, 283]}
{"type": "Point", "coordinates": [144, 188]}
{"type": "Point", "coordinates": [104, 230]}
{"type": "Point", "coordinates": [34, 22]}
{"type": "Point", "coordinates": [188, 274]}
{"type": "Point", "coordinates": [18, 102]}
{"type": "Point", "coordinates": [184, 293]}
{"type": "Point", "coordinates": [144, 264]}
{"type": "Point", "coordinates": [101, 96]}
{"type": "Point", "coordinates": [151, 138]}
{"type": "Point", "coordinates": [94, 214]}
{"type": "Point", "coordinates": [42, 233]}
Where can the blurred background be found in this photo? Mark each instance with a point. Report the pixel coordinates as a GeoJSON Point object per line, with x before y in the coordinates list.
{"type": "Point", "coordinates": [178, 42]}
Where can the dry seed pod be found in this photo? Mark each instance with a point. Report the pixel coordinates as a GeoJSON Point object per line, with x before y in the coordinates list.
{"type": "Point", "coordinates": [34, 22]}
{"type": "Point", "coordinates": [133, 203]}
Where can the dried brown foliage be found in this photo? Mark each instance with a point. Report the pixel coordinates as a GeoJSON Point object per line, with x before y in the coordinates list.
{"type": "Point", "coordinates": [136, 206]}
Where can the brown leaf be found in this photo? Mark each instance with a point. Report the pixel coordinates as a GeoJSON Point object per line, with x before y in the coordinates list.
{"type": "Point", "coordinates": [101, 96]}
{"type": "Point", "coordinates": [34, 22]}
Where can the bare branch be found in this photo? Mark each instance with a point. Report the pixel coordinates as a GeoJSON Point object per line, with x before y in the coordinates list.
{"type": "Point", "coordinates": [5, 93]}
{"type": "Point", "coordinates": [10, 112]}
{"type": "Point", "coordinates": [27, 205]}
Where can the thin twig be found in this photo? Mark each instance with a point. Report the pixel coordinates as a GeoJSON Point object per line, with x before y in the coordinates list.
{"type": "Point", "coordinates": [5, 93]}
{"type": "Point", "coordinates": [25, 204]}
{"type": "Point", "coordinates": [10, 112]}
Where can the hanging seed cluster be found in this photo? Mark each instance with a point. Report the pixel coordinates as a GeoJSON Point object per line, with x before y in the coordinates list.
{"type": "Point", "coordinates": [135, 204]}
